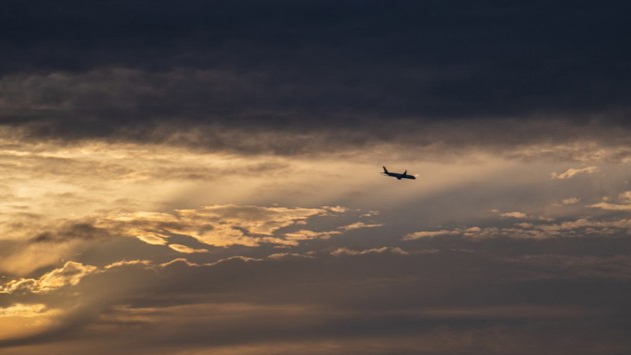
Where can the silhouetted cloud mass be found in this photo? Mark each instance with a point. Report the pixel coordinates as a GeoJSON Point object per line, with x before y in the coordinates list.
{"type": "Point", "coordinates": [127, 69]}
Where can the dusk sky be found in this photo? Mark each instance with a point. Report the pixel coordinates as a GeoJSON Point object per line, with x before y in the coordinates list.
{"type": "Point", "coordinates": [204, 177]}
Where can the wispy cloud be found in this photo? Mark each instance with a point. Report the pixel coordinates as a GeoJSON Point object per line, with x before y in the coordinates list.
{"type": "Point", "coordinates": [361, 225]}
{"type": "Point", "coordinates": [186, 250]}
{"type": "Point", "coordinates": [536, 229]}
{"type": "Point", "coordinates": [572, 172]}
{"type": "Point", "coordinates": [515, 214]}
{"type": "Point", "coordinates": [623, 205]}
{"type": "Point", "coordinates": [346, 251]}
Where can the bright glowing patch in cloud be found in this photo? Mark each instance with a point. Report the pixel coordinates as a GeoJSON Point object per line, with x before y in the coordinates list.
{"type": "Point", "coordinates": [21, 319]}
{"type": "Point", "coordinates": [186, 250]}
{"type": "Point", "coordinates": [152, 239]}
{"type": "Point", "coordinates": [360, 225]}
{"type": "Point", "coordinates": [68, 275]}
{"type": "Point", "coordinates": [437, 233]}
{"type": "Point", "coordinates": [516, 215]}
{"type": "Point", "coordinates": [219, 225]}
{"type": "Point", "coordinates": [23, 310]}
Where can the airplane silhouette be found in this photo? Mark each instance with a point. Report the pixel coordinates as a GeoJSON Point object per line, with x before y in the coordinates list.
{"type": "Point", "coordinates": [399, 176]}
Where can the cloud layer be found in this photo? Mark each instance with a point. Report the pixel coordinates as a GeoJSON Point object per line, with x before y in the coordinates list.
{"type": "Point", "coordinates": [205, 176]}
{"type": "Point", "coordinates": [296, 78]}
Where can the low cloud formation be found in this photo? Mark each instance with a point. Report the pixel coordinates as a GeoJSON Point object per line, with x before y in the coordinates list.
{"type": "Point", "coordinates": [570, 173]}
{"type": "Point", "coordinates": [218, 226]}
{"type": "Point", "coordinates": [340, 298]}
{"type": "Point", "coordinates": [623, 205]}
{"type": "Point", "coordinates": [361, 225]}
{"type": "Point", "coordinates": [570, 201]}
{"type": "Point", "coordinates": [439, 233]}
{"type": "Point", "coordinates": [516, 215]}
{"type": "Point", "coordinates": [68, 275]}
{"type": "Point", "coordinates": [186, 250]}
{"type": "Point", "coordinates": [539, 229]}
{"type": "Point", "coordinates": [345, 251]}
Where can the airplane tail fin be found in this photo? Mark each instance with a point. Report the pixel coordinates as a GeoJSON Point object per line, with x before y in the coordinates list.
{"type": "Point", "coordinates": [385, 170]}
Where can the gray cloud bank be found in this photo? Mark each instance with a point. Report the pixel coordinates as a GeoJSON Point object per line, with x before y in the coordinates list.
{"type": "Point", "coordinates": [466, 291]}
{"type": "Point", "coordinates": [139, 70]}
{"type": "Point", "coordinates": [418, 301]}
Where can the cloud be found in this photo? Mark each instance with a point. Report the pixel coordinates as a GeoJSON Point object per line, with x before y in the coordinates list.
{"type": "Point", "coordinates": [23, 258]}
{"type": "Point", "coordinates": [68, 275]}
{"type": "Point", "coordinates": [272, 116]}
{"type": "Point", "coordinates": [570, 173]}
{"type": "Point", "coordinates": [624, 205]}
{"type": "Point", "coordinates": [219, 225]}
{"type": "Point", "coordinates": [23, 310]}
{"type": "Point", "coordinates": [568, 201]}
{"type": "Point", "coordinates": [24, 253]}
{"type": "Point", "coordinates": [345, 251]}
{"type": "Point", "coordinates": [517, 215]}
{"type": "Point", "coordinates": [611, 206]}
{"type": "Point", "coordinates": [539, 229]}
{"type": "Point", "coordinates": [263, 72]}
{"type": "Point", "coordinates": [344, 298]}
{"type": "Point", "coordinates": [289, 255]}
{"type": "Point", "coordinates": [186, 250]}
{"type": "Point", "coordinates": [304, 234]}
{"type": "Point", "coordinates": [152, 239]}
{"type": "Point", "coordinates": [361, 225]}
{"type": "Point", "coordinates": [440, 233]}
{"type": "Point", "coordinates": [26, 320]}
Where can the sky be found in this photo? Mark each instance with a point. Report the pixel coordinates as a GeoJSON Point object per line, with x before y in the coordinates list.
{"type": "Point", "coordinates": [204, 177]}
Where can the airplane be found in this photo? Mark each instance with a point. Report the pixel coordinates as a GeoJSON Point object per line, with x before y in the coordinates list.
{"type": "Point", "coordinates": [399, 176]}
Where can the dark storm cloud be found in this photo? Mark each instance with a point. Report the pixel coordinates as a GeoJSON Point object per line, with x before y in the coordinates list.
{"type": "Point", "coordinates": [351, 66]}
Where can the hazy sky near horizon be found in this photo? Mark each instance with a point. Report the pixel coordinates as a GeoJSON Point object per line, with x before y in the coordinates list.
{"type": "Point", "coordinates": [204, 177]}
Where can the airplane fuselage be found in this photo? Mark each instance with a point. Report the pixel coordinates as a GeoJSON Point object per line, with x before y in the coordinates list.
{"type": "Point", "coordinates": [399, 176]}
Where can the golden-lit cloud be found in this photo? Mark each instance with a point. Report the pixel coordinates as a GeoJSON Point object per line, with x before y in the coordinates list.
{"type": "Point", "coordinates": [623, 205]}
{"type": "Point", "coordinates": [515, 214]}
{"type": "Point", "coordinates": [219, 225]}
{"type": "Point", "coordinates": [542, 229]}
{"type": "Point", "coordinates": [23, 310]}
{"type": "Point", "coordinates": [572, 172]}
{"type": "Point", "coordinates": [103, 221]}
{"type": "Point", "coordinates": [186, 250]}
{"type": "Point", "coordinates": [22, 320]}
{"type": "Point", "coordinates": [361, 225]}
{"type": "Point", "coordinates": [28, 257]}
{"type": "Point", "coordinates": [68, 275]}
{"type": "Point", "coordinates": [440, 233]}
